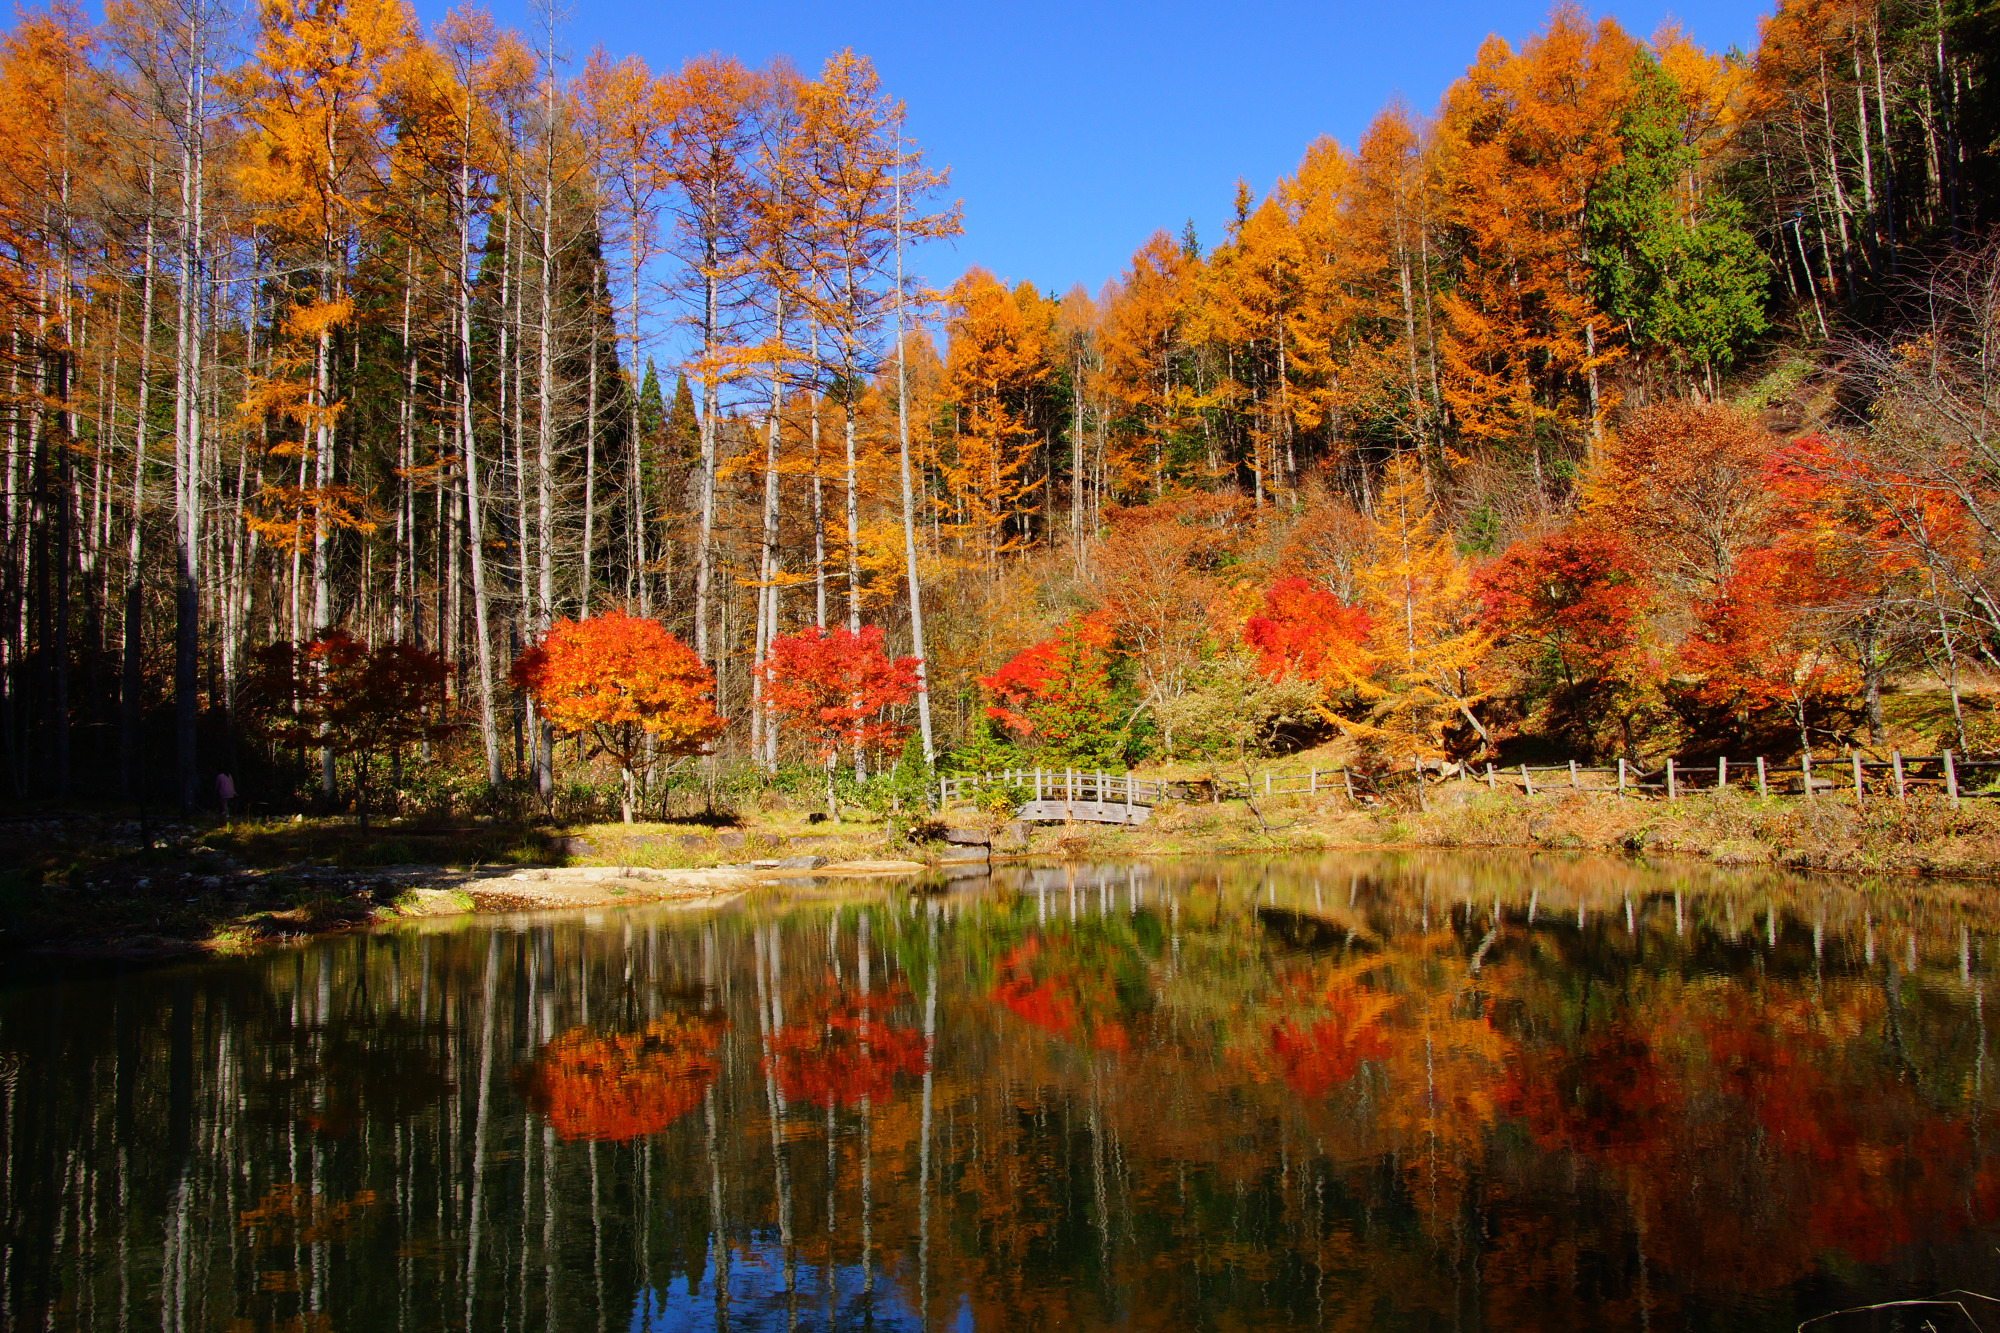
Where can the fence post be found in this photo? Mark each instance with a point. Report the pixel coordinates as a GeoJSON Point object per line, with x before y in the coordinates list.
{"type": "Point", "coordinates": [1621, 777]}
{"type": "Point", "coordinates": [1128, 795]}
{"type": "Point", "coordinates": [1896, 760]}
{"type": "Point", "coordinates": [1348, 776]}
{"type": "Point", "coordinates": [1805, 766]}
{"type": "Point", "coordinates": [1722, 772]}
{"type": "Point", "coordinates": [1267, 784]}
{"type": "Point", "coordinates": [1763, 788]}
{"type": "Point", "coordinates": [1038, 782]}
{"type": "Point", "coordinates": [1673, 791]}
{"type": "Point", "coordinates": [1489, 775]}
{"type": "Point", "coordinates": [1572, 775]}
{"type": "Point", "coordinates": [1312, 781]}
{"type": "Point", "coordinates": [1527, 783]}
{"type": "Point", "coordinates": [1950, 778]}
{"type": "Point", "coordinates": [1422, 803]}
{"type": "Point", "coordinates": [1856, 755]}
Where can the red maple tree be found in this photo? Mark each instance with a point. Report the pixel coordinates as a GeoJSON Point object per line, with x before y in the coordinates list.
{"type": "Point", "coordinates": [1057, 695]}
{"type": "Point", "coordinates": [623, 681]}
{"type": "Point", "coordinates": [1760, 651]}
{"type": "Point", "coordinates": [1305, 632]}
{"type": "Point", "coordinates": [837, 688]}
{"type": "Point", "coordinates": [338, 693]}
{"type": "Point", "coordinates": [1570, 607]}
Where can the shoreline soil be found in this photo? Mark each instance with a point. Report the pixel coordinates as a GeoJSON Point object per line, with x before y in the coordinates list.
{"type": "Point", "coordinates": [85, 889]}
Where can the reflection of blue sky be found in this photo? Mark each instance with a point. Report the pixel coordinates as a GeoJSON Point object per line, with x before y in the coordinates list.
{"type": "Point", "coordinates": [758, 1298]}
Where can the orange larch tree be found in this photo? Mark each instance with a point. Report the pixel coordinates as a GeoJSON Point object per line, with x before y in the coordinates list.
{"type": "Point", "coordinates": [1527, 134]}
{"type": "Point", "coordinates": [995, 362]}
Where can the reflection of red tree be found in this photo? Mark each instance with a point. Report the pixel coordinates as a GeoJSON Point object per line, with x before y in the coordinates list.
{"type": "Point", "coordinates": [1331, 1051]}
{"type": "Point", "coordinates": [1878, 1160]}
{"type": "Point", "coordinates": [1035, 1002]}
{"type": "Point", "coordinates": [1065, 1001]}
{"type": "Point", "coordinates": [1613, 1101]}
{"type": "Point", "coordinates": [616, 1086]}
{"type": "Point", "coordinates": [848, 1055]}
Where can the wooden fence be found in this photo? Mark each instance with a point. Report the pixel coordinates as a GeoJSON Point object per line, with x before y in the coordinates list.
{"type": "Point", "coordinates": [1956, 778]}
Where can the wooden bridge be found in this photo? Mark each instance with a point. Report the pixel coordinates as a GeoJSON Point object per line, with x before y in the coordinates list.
{"type": "Point", "coordinates": [1049, 795]}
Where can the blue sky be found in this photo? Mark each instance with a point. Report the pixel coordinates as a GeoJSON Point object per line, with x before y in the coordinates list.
{"type": "Point", "coordinates": [1074, 130]}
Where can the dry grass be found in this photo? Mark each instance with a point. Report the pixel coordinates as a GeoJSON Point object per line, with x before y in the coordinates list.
{"type": "Point", "coordinates": [695, 846]}
{"type": "Point", "coordinates": [1924, 835]}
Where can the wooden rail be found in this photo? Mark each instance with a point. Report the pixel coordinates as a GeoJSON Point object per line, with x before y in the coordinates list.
{"type": "Point", "coordinates": [1954, 777]}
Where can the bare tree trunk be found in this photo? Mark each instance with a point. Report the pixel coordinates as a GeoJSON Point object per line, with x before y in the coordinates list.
{"type": "Point", "coordinates": [129, 715]}
{"type": "Point", "coordinates": [475, 527]}
{"type": "Point", "coordinates": [848, 405]}
{"type": "Point", "coordinates": [545, 391]}
{"type": "Point", "coordinates": [187, 419]}
{"type": "Point", "coordinates": [909, 507]}
{"type": "Point", "coordinates": [819, 494]}
{"type": "Point", "coordinates": [763, 724]}
{"type": "Point", "coordinates": [406, 451]}
{"type": "Point", "coordinates": [704, 542]}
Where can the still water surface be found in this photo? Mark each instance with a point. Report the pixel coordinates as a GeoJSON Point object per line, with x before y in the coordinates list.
{"type": "Point", "coordinates": [1346, 1092]}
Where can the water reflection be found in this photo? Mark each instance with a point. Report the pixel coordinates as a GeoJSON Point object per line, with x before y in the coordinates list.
{"type": "Point", "coordinates": [1418, 1092]}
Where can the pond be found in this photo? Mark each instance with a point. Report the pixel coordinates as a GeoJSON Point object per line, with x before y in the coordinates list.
{"type": "Point", "coordinates": [1394, 1091]}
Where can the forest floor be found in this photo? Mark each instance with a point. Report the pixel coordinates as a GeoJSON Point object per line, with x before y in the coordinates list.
{"type": "Point", "coordinates": [84, 884]}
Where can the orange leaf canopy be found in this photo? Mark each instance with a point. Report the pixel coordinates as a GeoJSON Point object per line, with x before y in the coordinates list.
{"type": "Point", "coordinates": [610, 1087]}
{"type": "Point", "coordinates": [1307, 632]}
{"type": "Point", "coordinates": [618, 672]}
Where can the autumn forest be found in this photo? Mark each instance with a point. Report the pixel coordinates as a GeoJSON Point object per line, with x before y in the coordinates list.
{"type": "Point", "coordinates": [369, 388]}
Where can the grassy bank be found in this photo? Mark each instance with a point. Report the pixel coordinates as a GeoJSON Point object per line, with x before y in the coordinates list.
{"type": "Point", "coordinates": [84, 884]}
{"type": "Point", "coordinates": [1924, 836]}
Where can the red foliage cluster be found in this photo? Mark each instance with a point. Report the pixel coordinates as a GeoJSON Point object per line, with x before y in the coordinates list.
{"type": "Point", "coordinates": [359, 701]}
{"type": "Point", "coordinates": [610, 1087]}
{"type": "Point", "coordinates": [1036, 1002]}
{"type": "Point", "coordinates": [1613, 1100]}
{"type": "Point", "coordinates": [849, 1055]}
{"type": "Point", "coordinates": [1305, 632]}
{"type": "Point", "coordinates": [1578, 595]}
{"type": "Point", "coordinates": [1313, 1059]}
{"type": "Point", "coordinates": [837, 685]}
{"type": "Point", "coordinates": [337, 690]}
{"type": "Point", "coordinates": [1868, 1187]}
{"type": "Point", "coordinates": [1755, 651]}
{"type": "Point", "coordinates": [1058, 692]}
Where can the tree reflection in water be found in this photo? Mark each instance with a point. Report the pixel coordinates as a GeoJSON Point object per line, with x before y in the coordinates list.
{"type": "Point", "coordinates": [1409, 1091]}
